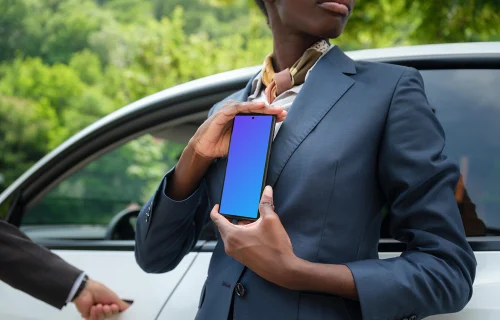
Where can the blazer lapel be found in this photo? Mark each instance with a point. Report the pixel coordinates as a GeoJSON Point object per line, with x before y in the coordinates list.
{"type": "Point", "coordinates": [243, 96]}
{"type": "Point", "coordinates": [325, 85]}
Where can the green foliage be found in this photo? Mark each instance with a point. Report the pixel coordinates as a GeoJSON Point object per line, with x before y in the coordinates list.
{"type": "Point", "coordinates": [87, 66]}
{"type": "Point", "coordinates": [128, 11]}
{"type": "Point", "coordinates": [385, 23]}
{"type": "Point", "coordinates": [68, 27]}
{"type": "Point", "coordinates": [66, 63]}
{"type": "Point", "coordinates": [27, 132]}
{"type": "Point", "coordinates": [11, 27]}
{"type": "Point", "coordinates": [56, 86]}
{"type": "Point", "coordinates": [458, 21]}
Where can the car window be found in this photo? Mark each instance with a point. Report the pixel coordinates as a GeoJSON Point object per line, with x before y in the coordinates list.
{"type": "Point", "coordinates": [467, 103]}
{"type": "Point", "coordinates": [82, 205]}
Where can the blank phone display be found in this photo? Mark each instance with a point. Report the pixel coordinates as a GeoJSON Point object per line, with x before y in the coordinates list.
{"type": "Point", "coordinates": [246, 166]}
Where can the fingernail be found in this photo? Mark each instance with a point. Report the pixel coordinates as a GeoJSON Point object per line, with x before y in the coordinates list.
{"type": "Point", "coordinates": [268, 191]}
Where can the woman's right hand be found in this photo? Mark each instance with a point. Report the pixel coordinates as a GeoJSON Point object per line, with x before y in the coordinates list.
{"type": "Point", "coordinates": [211, 140]}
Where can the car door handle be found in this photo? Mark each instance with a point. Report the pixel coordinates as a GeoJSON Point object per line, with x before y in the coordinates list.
{"type": "Point", "coordinates": [130, 302]}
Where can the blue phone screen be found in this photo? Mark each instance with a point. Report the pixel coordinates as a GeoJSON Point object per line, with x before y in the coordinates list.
{"type": "Point", "coordinates": [246, 166]}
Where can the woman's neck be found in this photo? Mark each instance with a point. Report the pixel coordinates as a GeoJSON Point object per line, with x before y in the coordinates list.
{"type": "Point", "coordinates": [289, 47]}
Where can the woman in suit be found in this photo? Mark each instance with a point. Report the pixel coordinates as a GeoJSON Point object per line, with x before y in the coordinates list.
{"type": "Point", "coordinates": [352, 137]}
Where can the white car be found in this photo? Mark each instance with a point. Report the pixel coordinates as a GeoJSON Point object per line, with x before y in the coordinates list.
{"type": "Point", "coordinates": [81, 200]}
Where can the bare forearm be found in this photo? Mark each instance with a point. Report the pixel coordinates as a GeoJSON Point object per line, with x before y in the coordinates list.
{"type": "Point", "coordinates": [333, 279]}
{"type": "Point", "coordinates": [188, 174]}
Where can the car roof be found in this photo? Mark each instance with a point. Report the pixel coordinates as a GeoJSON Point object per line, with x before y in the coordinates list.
{"type": "Point", "coordinates": [398, 55]}
{"type": "Point", "coordinates": [449, 50]}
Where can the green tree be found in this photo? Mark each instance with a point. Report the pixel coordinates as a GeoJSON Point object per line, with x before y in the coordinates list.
{"type": "Point", "coordinates": [88, 66]}
{"type": "Point", "coordinates": [54, 86]}
{"type": "Point", "coordinates": [11, 27]}
{"type": "Point", "coordinates": [27, 131]}
{"type": "Point", "coordinates": [68, 28]}
{"type": "Point", "coordinates": [129, 11]}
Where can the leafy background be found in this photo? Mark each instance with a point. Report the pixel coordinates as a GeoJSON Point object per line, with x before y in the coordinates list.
{"type": "Point", "coordinates": [66, 63]}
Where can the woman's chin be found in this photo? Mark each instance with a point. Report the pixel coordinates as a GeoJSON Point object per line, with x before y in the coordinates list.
{"type": "Point", "coordinates": [331, 33]}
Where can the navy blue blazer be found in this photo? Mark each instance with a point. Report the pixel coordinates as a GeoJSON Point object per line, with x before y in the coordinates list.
{"type": "Point", "coordinates": [359, 136]}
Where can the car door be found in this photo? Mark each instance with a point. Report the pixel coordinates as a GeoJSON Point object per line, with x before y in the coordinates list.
{"type": "Point", "coordinates": [467, 103]}
{"type": "Point", "coordinates": [75, 218]}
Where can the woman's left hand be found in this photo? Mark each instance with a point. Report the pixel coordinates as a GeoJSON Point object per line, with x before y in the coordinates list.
{"type": "Point", "coordinates": [263, 246]}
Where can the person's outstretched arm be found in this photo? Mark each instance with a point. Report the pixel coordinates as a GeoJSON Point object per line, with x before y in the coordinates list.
{"type": "Point", "coordinates": [32, 269]}
{"type": "Point", "coordinates": [43, 275]}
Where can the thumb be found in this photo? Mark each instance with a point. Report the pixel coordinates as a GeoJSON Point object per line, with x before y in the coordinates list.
{"type": "Point", "coordinates": [266, 206]}
{"type": "Point", "coordinates": [220, 221]}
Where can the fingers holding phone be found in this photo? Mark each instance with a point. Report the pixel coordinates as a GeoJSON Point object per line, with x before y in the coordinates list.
{"type": "Point", "coordinates": [211, 140]}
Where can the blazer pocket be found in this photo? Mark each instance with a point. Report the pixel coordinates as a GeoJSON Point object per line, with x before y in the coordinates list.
{"type": "Point", "coordinates": [202, 295]}
{"type": "Point", "coordinates": [319, 306]}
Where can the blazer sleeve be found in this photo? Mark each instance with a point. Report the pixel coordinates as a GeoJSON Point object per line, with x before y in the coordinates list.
{"type": "Point", "coordinates": [436, 273]}
{"type": "Point", "coordinates": [33, 269]}
{"type": "Point", "coordinates": [167, 230]}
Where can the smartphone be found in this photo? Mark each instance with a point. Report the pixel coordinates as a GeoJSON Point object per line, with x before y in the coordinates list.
{"type": "Point", "coordinates": [247, 162]}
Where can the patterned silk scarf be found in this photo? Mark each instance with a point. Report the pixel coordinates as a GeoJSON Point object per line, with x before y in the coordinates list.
{"type": "Point", "coordinates": [277, 83]}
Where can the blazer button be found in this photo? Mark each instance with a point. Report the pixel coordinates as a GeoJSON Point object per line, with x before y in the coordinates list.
{"type": "Point", "coordinates": [239, 289]}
